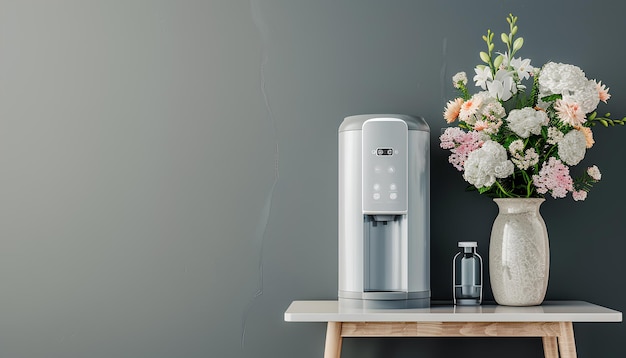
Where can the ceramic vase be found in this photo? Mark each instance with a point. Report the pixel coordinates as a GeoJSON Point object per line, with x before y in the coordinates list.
{"type": "Point", "coordinates": [519, 253]}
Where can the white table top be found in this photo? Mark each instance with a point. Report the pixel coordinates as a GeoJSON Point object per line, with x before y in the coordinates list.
{"type": "Point", "coordinates": [549, 311]}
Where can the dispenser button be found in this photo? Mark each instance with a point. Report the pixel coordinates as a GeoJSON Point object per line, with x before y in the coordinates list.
{"type": "Point", "coordinates": [393, 196]}
{"type": "Point", "coordinates": [377, 187]}
{"type": "Point", "coordinates": [376, 196]}
{"type": "Point", "coordinates": [391, 170]}
{"type": "Point", "coordinates": [393, 187]}
{"type": "Point", "coordinates": [378, 169]}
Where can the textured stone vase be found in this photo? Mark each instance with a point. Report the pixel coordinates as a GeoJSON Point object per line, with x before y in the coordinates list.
{"type": "Point", "coordinates": [519, 253]}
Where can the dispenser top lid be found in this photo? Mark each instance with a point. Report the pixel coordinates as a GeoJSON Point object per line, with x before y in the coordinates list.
{"type": "Point", "coordinates": [355, 123]}
{"type": "Point", "coordinates": [468, 244]}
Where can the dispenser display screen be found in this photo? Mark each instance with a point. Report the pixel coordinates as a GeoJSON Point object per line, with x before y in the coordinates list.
{"type": "Point", "coordinates": [384, 151]}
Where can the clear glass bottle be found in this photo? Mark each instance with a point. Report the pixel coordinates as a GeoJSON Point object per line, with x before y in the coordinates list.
{"type": "Point", "coordinates": [467, 275]}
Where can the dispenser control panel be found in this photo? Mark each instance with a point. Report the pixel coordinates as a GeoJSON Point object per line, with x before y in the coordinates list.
{"type": "Point", "coordinates": [385, 161]}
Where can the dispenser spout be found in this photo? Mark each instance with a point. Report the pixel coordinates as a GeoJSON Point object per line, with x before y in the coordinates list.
{"type": "Point", "coordinates": [384, 218]}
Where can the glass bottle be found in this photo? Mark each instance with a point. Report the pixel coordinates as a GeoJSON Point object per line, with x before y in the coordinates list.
{"type": "Point", "coordinates": [467, 275]}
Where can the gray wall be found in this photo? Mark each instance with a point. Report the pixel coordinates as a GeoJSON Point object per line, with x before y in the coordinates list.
{"type": "Point", "coordinates": [169, 168]}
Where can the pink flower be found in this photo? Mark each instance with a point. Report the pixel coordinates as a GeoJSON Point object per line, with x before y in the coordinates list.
{"type": "Point", "coordinates": [449, 137]}
{"type": "Point", "coordinates": [603, 92]}
{"type": "Point", "coordinates": [453, 108]}
{"type": "Point", "coordinates": [461, 144]}
{"type": "Point", "coordinates": [554, 177]}
{"type": "Point", "coordinates": [481, 125]}
{"type": "Point", "coordinates": [569, 112]}
{"type": "Point", "coordinates": [579, 195]}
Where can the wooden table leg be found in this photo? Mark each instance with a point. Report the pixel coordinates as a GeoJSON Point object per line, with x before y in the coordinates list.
{"type": "Point", "coordinates": [333, 340]}
{"type": "Point", "coordinates": [550, 348]}
{"type": "Point", "coordinates": [567, 345]}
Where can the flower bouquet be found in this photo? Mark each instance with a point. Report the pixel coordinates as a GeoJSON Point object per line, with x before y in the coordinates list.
{"type": "Point", "coordinates": [515, 143]}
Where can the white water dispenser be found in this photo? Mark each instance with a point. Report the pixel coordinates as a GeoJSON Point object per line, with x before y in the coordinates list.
{"type": "Point", "coordinates": [384, 212]}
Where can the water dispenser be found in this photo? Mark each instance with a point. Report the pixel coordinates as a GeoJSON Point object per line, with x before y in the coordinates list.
{"type": "Point", "coordinates": [384, 211]}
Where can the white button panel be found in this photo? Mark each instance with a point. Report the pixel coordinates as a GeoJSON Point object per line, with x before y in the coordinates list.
{"type": "Point", "coordinates": [385, 149]}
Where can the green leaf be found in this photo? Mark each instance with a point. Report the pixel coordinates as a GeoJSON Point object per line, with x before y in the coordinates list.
{"type": "Point", "coordinates": [552, 97]}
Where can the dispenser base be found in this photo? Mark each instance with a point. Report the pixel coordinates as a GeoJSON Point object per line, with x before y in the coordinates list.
{"type": "Point", "coordinates": [384, 300]}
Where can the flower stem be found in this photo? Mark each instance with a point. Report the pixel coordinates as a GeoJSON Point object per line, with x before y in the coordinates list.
{"type": "Point", "coordinates": [506, 193]}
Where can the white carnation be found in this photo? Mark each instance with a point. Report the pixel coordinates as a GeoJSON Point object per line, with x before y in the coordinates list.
{"type": "Point", "coordinates": [526, 121]}
{"type": "Point", "coordinates": [559, 78]}
{"type": "Point", "coordinates": [586, 95]}
{"type": "Point", "coordinates": [570, 82]}
{"type": "Point", "coordinates": [572, 147]}
{"type": "Point", "coordinates": [487, 163]}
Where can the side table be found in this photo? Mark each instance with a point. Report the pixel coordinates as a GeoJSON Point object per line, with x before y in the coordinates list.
{"type": "Point", "coordinates": [552, 321]}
